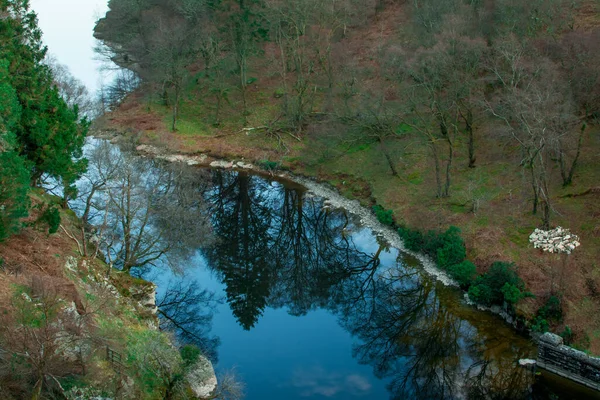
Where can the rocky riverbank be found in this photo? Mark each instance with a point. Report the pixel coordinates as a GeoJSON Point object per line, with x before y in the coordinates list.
{"type": "Point", "coordinates": [95, 328]}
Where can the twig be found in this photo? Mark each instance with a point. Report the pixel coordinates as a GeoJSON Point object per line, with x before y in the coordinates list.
{"type": "Point", "coordinates": [74, 238]}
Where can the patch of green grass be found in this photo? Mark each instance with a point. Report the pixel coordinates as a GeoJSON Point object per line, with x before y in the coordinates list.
{"type": "Point", "coordinates": [187, 127]}
{"type": "Point", "coordinates": [414, 178]}
{"type": "Point", "coordinates": [587, 226]}
{"type": "Point", "coordinates": [458, 208]}
{"type": "Point", "coordinates": [520, 236]}
{"type": "Point", "coordinates": [358, 148]}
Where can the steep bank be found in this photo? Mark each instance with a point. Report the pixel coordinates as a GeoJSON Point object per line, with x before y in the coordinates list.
{"type": "Point", "coordinates": [81, 328]}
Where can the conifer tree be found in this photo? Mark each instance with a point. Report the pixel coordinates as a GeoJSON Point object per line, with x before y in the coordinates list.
{"type": "Point", "coordinates": [48, 134]}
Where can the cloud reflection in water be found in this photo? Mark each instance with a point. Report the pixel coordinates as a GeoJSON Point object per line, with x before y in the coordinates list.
{"type": "Point", "coordinates": [317, 381]}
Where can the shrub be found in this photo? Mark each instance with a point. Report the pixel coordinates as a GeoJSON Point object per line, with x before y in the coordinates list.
{"type": "Point", "coordinates": [552, 310]}
{"type": "Point", "coordinates": [481, 293]}
{"type": "Point", "coordinates": [501, 283]}
{"type": "Point", "coordinates": [51, 216]}
{"type": "Point", "coordinates": [384, 216]}
{"type": "Point", "coordinates": [446, 248]}
{"type": "Point", "coordinates": [413, 240]}
{"type": "Point", "coordinates": [152, 359]}
{"type": "Point", "coordinates": [511, 293]}
{"type": "Point", "coordinates": [567, 335]}
{"type": "Point", "coordinates": [450, 248]}
{"type": "Point", "coordinates": [463, 273]}
{"type": "Point", "coordinates": [540, 325]}
{"type": "Point", "coordinates": [268, 165]}
{"type": "Point", "coordinates": [190, 354]}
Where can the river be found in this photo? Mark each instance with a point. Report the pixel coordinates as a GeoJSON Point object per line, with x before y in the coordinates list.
{"type": "Point", "coordinates": [302, 301]}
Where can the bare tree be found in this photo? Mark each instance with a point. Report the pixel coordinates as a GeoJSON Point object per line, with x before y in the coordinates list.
{"type": "Point", "coordinates": [537, 111]}
{"type": "Point", "coordinates": [72, 90]}
{"type": "Point", "coordinates": [34, 339]}
{"type": "Point", "coordinates": [138, 212]}
{"type": "Point", "coordinates": [187, 310]}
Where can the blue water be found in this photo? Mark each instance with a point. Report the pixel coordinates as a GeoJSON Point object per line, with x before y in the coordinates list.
{"type": "Point", "coordinates": [289, 357]}
{"type": "Point", "coordinates": [300, 301]}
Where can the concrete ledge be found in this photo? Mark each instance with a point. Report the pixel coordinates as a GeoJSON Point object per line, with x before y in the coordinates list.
{"type": "Point", "coordinates": [568, 362]}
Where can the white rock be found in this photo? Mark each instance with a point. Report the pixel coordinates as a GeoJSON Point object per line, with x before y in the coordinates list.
{"type": "Point", "coordinates": [202, 378]}
{"type": "Point", "coordinates": [71, 263]}
{"type": "Point", "coordinates": [527, 362]}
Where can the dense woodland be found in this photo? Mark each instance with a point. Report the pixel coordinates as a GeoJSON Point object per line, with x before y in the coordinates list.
{"type": "Point", "coordinates": [455, 64]}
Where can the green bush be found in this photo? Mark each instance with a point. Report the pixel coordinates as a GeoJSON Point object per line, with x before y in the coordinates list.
{"type": "Point", "coordinates": [501, 283]}
{"type": "Point", "coordinates": [463, 273]}
{"type": "Point", "coordinates": [567, 335]}
{"type": "Point", "coordinates": [540, 325]}
{"type": "Point", "coordinates": [152, 360]}
{"type": "Point", "coordinates": [552, 310]}
{"type": "Point", "coordinates": [384, 216]}
{"type": "Point", "coordinates": [268, 165]}
{"type": "Point", "coordinates": [512, 294]}
{"type": "Point", "coordinates": [413, 239]}
{"type": "Point", "coordinates": [481, 293]}
{"type": "Point", "coordinates": [450, 248]}
{"type": "Point", "coordinates": [445, 248]}
{"type": "Point", "coordinates": [51, 216]}
{"type": "Point", "coordinates": [190, 354]}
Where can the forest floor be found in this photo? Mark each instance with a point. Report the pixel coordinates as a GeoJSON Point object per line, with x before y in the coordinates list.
{"type": "Point", "coordinates": [490, 203]}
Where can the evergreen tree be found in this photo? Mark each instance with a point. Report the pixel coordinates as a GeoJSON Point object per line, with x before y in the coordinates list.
{"type": "Point", "coordinates": [39, 133]}
{"type": "Point", "coordinates": [48, 134]}
{"type": "Point", "coordinates": [14, 177]}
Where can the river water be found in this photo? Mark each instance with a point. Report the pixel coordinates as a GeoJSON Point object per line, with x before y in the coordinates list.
{"type": "Point", "coordinates": [303, 302]}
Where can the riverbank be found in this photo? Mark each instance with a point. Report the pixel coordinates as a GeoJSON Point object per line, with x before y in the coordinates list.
{"type": "Point", "coordinates": [497, 230]}
{"type": "Point", "coordinates": [92, 330]}
{"type": "Point", "coordinates": [333, 199]}
{"type": "Point", "coordinates": [486, 325]}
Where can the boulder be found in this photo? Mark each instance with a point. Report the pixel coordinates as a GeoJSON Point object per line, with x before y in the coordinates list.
{"type": "Point", "coordinates": [527, 363]}
{"type": "Point", "coordinates": [202, 379]}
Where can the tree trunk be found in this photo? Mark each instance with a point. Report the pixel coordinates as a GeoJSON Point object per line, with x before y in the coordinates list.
{"type": "Point", "coordinates": [569, 177]}
{"type": "Point", "coordinates": [218, 109]}
{"type": "Point", "coordinates": [471, 138]}
{"type": "Point", "coordinates": [436, 160]}
{"type": "Point", "coordinates": [175, 108]}
{"type": "Point", "coordinates": [534, 187]}
{"type": "Point", "coordinates": [243, 81]}
{"type": "Point", "coordinates": [37, 389]}
{"type": "Point", "coordinates": [448, 166]}
{"type": "Point", "coordinates": [545, 215]}
{"type": "Point", "coordinates": [388, 157]}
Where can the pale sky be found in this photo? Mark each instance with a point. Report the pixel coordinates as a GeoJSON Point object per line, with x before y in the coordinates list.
{"type": "Point", "coordinates": [68, 32]}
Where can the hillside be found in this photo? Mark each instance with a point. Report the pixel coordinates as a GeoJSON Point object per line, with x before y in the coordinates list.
{"type": "Point", "coordinates": [75, 327]}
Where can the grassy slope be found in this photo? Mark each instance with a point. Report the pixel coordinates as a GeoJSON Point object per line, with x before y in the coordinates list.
{"type": "Point", "coordinates": [497, 230]}
{"type": "Point", "coordinates": [109, 319]}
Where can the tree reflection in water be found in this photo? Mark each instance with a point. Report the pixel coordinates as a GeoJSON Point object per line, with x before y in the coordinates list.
{"type": "Point", "coordinates": [278, 248]}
